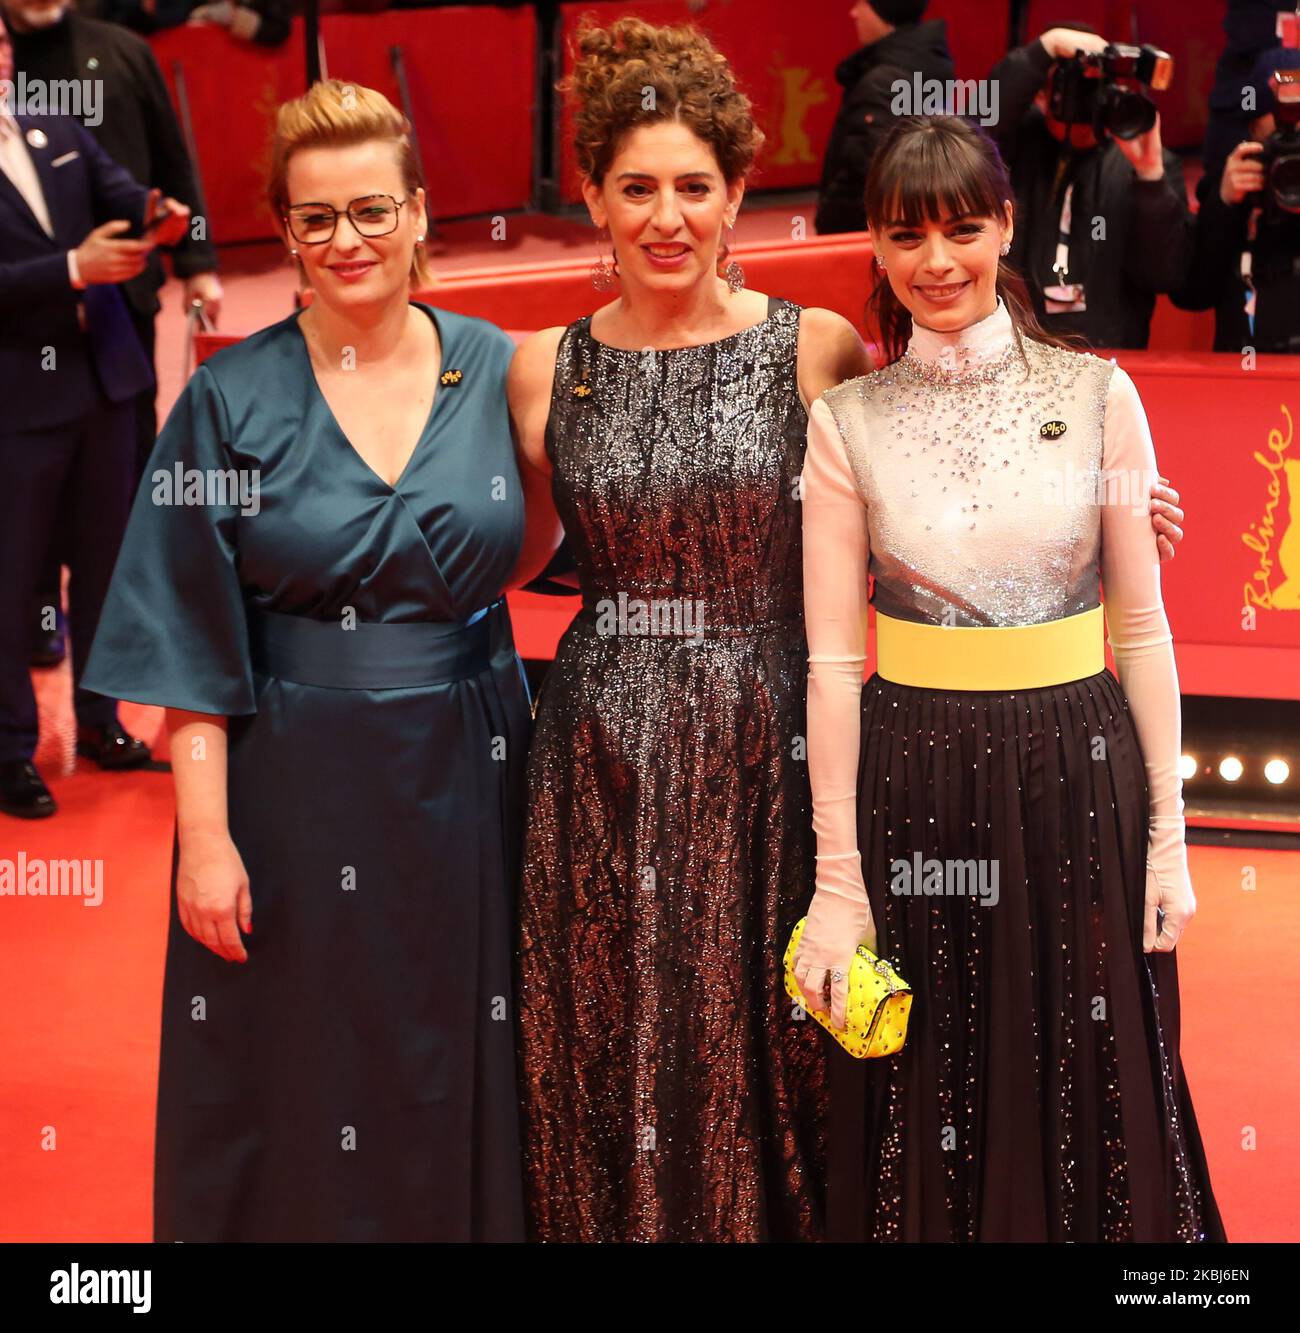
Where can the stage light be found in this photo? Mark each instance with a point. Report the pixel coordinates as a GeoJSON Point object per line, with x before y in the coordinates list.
{"type": "Point", "coordinates": [1231, 768]}
{"type": "Point", "coordinates": [1277, 771]}
{"type": "Point", "coordinates": [1187, 767]}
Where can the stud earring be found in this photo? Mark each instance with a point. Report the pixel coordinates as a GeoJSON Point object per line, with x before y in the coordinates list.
{"type": "Point", "coordinates": [294, 253]}
{"type": "Point", "coordinates": [880, 262]}
{"type": "Point", "coordinates": [419, 240]}
{"type": "Point", "coordinates": [1006, 248]}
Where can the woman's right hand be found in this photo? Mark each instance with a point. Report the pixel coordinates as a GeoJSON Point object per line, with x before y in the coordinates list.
{"type": "Point", "coordinates": [839, 919]}
{"type": "Point", "coordinates": [212, 894]}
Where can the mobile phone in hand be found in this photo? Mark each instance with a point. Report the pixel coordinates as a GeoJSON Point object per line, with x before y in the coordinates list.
{"type": "Point", "coordinates": [155, 222]}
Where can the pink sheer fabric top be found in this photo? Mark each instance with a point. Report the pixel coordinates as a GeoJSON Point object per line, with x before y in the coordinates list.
{"type": "Point", "coordinates": [982, 479]}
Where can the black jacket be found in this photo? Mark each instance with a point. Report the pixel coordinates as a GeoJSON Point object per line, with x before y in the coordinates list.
{"type": "Point", "coordinates": [865, 114]}
{"type": "Point", "coordinates": [137, 127]}
{"type": "Point", "coordinates": [39, 324]}
{"type": "Point", "coordinates": [1215, 282]}
{"type": "Point", "coordinates": [1147, 247]}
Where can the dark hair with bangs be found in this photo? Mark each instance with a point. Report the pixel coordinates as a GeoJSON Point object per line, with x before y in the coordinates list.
{"type": "Point", "coordinates": [929, 166]}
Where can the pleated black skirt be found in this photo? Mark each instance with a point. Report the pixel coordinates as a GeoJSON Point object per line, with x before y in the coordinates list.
{"type": "Point", "coordinates": [1039, 1095]}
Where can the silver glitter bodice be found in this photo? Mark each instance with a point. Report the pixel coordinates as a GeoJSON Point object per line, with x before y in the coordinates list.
{"type": "Point", "coordinates": [979, 457]}
{"type": "Point", "coordinates": [675, 472]}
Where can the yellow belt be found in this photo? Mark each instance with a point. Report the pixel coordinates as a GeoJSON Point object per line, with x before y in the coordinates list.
{"type": "Point", "coordinates": [990, 657]}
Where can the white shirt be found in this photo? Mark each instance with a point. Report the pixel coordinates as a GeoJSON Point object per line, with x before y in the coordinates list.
{"type": "Point", "coordinates": [16, 163]}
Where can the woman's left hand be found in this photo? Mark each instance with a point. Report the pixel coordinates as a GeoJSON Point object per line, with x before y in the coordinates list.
{"type": "Point", "coordinates": [1170, 901]}
{"type": "Point", "coordinates": [1166, 517]}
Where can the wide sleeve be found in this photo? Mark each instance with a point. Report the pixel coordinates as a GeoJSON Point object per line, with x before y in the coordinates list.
{"type": "Point", "coordinates": [174, 629]}
{"type": "Point", "coordinates": [835, 550]}
{"type": "Point", "coordinates": [1136, 623]}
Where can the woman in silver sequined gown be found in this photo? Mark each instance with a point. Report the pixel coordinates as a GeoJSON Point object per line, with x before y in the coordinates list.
{"type": "Point", "coordinates": [669, 1095]}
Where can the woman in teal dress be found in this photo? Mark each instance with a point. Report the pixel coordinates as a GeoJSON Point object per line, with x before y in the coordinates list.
{"type": "Point", "coordinates": [331, 633]}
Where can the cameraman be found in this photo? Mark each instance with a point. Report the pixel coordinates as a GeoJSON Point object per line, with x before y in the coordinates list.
{"type": "Point", "coordinates": [1065, 180]}
{"type": "Point", "coordinates": [1246, 261]}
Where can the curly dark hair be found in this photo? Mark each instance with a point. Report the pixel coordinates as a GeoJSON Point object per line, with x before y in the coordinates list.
{"type": "Point", "coordinates": [617, 67]}
{"type": "Point", "coordinates": [928, 164]}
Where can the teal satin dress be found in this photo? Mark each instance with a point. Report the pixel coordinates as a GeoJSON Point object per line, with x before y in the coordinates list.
{"type": "Point", "coordinates": [355, 1079]}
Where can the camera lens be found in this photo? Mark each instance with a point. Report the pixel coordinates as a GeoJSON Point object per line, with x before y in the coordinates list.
{"type": "Point", "coordinates": [1284, 182]}
{"type": "Point", "coordinates": [1128, 114]}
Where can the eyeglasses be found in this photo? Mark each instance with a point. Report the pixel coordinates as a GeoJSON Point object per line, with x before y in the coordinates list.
{"type": "Point", "coordinates": [371, 215]}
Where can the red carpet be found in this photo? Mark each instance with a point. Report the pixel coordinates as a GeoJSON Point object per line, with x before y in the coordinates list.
{"type": "Point", "coordinates": [80, 987]}
{"type": "Point", "coordinates": [80, 990]}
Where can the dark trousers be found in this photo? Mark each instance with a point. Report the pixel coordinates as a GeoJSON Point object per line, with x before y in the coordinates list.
{"type": "Point", "coordinates": [146, 403]}
{"type": "Point", "coordinates": [79, 477]}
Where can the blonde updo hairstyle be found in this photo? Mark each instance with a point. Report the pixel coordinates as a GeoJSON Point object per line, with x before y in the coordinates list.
{"type": "Point", "coordinates": [334, 114]}
{"type": "Point", "coordinates": [615, 68]}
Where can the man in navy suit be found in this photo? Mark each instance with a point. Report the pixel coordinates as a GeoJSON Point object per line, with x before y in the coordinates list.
{"type": "Point", "coordinates": [70, 366]}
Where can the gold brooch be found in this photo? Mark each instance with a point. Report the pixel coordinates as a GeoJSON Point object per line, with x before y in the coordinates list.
{"type": "Point", "coordinates": [451, 376]}
{"type": "Point", "coordinates": [582, 389]}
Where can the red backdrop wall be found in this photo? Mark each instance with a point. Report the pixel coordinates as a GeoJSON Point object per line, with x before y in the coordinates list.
{"type": "Point", "coordinates": [473, 112]}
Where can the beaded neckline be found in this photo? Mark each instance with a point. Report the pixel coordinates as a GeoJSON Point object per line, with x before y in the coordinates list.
{"type": "Point", "coordinates": [985, 369]}
{"type": "Point", "coordinates": [979, 353]}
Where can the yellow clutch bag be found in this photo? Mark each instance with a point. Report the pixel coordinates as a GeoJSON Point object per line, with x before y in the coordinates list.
{"type": "Point", "coordinates": [875, 1017]}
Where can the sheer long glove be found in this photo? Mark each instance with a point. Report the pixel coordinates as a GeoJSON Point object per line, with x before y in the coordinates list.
{"type": "Point", "coordinates": [838, 921]}
{"type": "Point", "coordinates": [1144, 660]}
{"type": "Point", "coordinates": [1169, 885]}
{"type": "Point", "coordinates": [835, 557]}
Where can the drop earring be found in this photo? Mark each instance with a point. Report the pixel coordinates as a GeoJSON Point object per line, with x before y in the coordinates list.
{"type": "Point", "coordinates": [733, 274]}
{"type": "Point", "coordinates": [603, 274]}
{"type": "Point", "coordinates": [880, 263]}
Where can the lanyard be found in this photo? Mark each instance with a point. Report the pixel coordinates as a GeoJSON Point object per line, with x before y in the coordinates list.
{"type": "Point", "coordinates": [1252, 227]}
{"type": "Point", "coordinates": [1062, 265]}
{"type": "Point", "coordinates": [1063, 297]}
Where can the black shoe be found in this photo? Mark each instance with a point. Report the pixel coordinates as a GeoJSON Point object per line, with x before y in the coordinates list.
{"type": "Point", "coordinates": [111, 747]}
{"type": "Point", "coordinates": [22, 793]}
{"type": "Point", "coordinates": [50, 649]}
